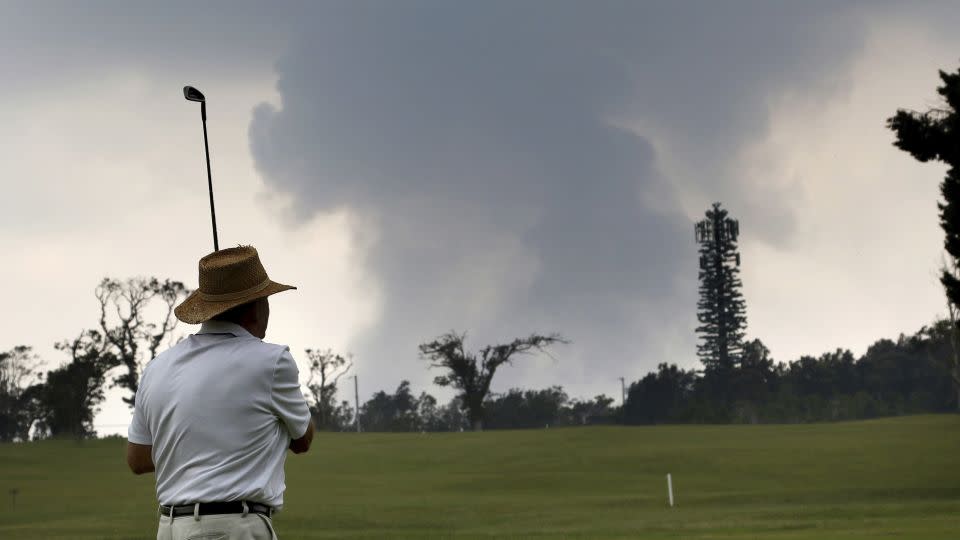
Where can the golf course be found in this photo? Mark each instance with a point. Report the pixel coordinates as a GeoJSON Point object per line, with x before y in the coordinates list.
{"type": "Point", "coordinates": [897, 477]}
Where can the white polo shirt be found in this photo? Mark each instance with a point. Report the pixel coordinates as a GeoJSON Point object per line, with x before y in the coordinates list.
{"type": "Point", "coordinates": [220, 409]}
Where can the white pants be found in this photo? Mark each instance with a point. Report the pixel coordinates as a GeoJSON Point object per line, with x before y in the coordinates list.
{"type": "Point", "coordinates": [216, 527]}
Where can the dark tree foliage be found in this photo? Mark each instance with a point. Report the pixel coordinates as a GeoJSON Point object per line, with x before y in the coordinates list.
{"type": "Point", "coordinates": [938, 346]}
{"type": "Point", "coordinates": [450, 417]}
{"type": "Point", "coordinates": [661, 397]}
{"type": "Point", "coordinates": [471, 374]}
{"type": "Point", "coordinates": [64, 405]}
{"type": "Point", "coordinates": [518, 409]}
{"type": "Point", "coordinates": [514, 409]}
{"type": "Point", "coordinates": [343, 417]}
{"type": "Point", "coordinates": [18, 367]}
{"type": "Point", "coordinates": [934, 135]}
{"type": "Point", "coordinates": [549, 407]}
{"type": "Point", "coordinates": [909, 375]}
{"type": "Point", "coordinates": [127, 325]}
{"type": "Point", "coordinates": [429, 414]}
{"type": "Point", "coordinates": [599, 410]}
{"type": "Point", "coordinates": [400, 411]}
{"type": "Point", "coordinates": [721, 310]}
{"type": "Point", "coordinates": [326, 368]}
{"type": "Point", "coordinates": [756, 374]}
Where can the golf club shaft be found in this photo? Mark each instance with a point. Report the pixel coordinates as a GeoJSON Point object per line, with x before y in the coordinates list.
{"type": "Point", "coordinates": [206, 149]}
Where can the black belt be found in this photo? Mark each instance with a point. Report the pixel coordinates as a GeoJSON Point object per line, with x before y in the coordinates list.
{"type": "Point", "coordinates": [211, 508]}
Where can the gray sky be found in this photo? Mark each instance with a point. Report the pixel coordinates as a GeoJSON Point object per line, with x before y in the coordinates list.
{"type": "Point", "coordinates": [498, 168]}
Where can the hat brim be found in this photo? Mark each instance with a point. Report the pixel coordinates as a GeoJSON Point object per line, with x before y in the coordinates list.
{"type": "Point", "coordinates": [196, 310]}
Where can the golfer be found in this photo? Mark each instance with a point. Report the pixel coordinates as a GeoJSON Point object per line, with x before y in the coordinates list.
{"type": "Point", "coordinates": [215, 413]}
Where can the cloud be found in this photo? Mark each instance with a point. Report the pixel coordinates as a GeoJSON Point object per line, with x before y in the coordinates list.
{"type": "Point", "coordinates": [865, 258]}
{"type": "Point", "coordinates": [531, 167]}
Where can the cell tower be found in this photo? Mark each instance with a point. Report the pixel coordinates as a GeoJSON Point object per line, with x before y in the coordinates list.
{"type": "Point", "coordinates": [721, 310]}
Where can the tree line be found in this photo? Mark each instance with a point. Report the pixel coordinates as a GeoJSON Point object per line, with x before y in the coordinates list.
{"type": "Point", "coordinates": [136, 322]}
{"type": "Point", "coordinates": [907, 375]}
{"type": "Point", "coordinates": [404, 411]}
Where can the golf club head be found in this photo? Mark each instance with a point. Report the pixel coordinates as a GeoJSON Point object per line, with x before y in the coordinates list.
{"type": "Point", "coordinates": [192, 94]}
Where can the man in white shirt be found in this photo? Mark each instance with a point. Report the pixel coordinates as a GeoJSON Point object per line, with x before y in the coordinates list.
{"type": "Point", "coordinates": [215, 414]}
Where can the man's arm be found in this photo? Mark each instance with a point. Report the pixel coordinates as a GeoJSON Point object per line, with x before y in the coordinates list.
{"type": "Point", "coordinates": [139, 458]}
{"type": "Point", "coordinates": [288, 403]}
{"type": "Point", "coordinates": [301, 445]}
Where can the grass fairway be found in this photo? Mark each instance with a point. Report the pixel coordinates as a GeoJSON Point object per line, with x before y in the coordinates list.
{"type": "Point", "coordinates": [885, 478]}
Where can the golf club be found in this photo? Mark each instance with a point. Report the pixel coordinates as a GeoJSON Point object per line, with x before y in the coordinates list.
{"type": "Point", "coordinates": [192, 94]}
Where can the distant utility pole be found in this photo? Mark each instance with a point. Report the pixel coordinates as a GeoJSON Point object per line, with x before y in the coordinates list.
{"type": "Point", "coordinates": [356, 404]}
{"type": "Point", "coordinates": [623, 393]}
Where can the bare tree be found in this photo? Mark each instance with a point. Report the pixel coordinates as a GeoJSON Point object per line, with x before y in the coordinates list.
{"type": "Point", "coordinates": [135, 339]}
{"type": "Point", "coordinates": [17, 367]}
{"type": "Point", "coordinates": [326, 368]}
{"type": "Point", "coordinates": [472, 373]}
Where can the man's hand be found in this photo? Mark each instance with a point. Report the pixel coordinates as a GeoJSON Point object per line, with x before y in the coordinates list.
{"type": "Point", "coordinates": [139, 458]}
{"type": "Point", "coordinates": [301, 445]}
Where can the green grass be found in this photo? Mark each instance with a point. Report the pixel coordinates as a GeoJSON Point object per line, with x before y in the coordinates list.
{"type": "Point", "coordinates": [885, 478]}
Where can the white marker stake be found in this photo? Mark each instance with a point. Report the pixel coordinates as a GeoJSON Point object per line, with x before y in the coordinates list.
{"type": "Point", "coordinates": [670, 489]}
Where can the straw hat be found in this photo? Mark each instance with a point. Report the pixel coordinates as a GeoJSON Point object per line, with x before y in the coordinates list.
{"type": "Point", "coordinates": [228, 278]}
